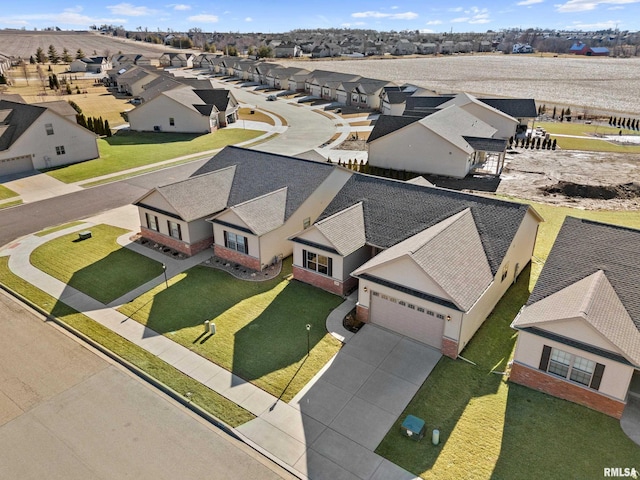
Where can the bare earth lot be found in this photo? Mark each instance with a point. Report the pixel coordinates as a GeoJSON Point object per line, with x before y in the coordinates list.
{"type": "Point", "coordinates": [528, 172]}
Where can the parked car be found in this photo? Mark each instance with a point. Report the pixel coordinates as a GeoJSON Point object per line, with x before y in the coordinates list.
{"type": "Point", "coordinates": [272, 98]}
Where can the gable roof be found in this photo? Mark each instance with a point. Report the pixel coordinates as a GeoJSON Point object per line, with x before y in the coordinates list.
{"type": "Point", "coordinates": [264, 213]}
{"type": "Point", "coordinates": [334, 227]}
{"type": "Point", "coordinates": [395, 97]}
{"type": "Point", "coordinates": [420, 102]}
{"type": "Point", "coordinates": [61, 107]}
{"type": "Point", "coordinates": [451, 253]}
{"type": "Point", "coordinates": [465, 99]}
{"type": "Point", "coordinates": [15, 119]}
{"type": "Point", "coordinates": [514, 107]}
{"type": "Point", "coordinates": [395, 210]}
{"type": "Point", "coordinates": [583, 247]}
{"type": "Point", "coordinates": [219, 97]}
{"type": "Point", "coordinates": [259, 173]}
{"type": "Point", "coordinates": [595, 301]}
{"type": "Point", "coordinates": [387, 124]}
{"type": "Point", "coordinates": [197, 197]}
{"type": "Point", "coordinates": [486, 144]}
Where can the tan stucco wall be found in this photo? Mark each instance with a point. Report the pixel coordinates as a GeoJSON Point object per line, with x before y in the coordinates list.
{"type": "Point", "coordinates": [156, 200]}
{"type": "Point", "coordinates": [616, 377]}
{"type": "Point", "coordinates": [254, 242]}
{"type": "Point", "coordinates": [580, 330]}
{"type": "Point", "coordinates": [160, 109]}
{"type": "Point", "coordinates": [417, 149]}
{"type": "Point", "coordinates": [78, 142]}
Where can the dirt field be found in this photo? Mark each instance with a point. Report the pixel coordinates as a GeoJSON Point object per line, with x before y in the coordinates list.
{"type": "Point", "coordinates": [529, 174]}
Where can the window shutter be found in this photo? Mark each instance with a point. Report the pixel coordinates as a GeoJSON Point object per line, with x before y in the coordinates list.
{"type": "Point", "coordinates": [246, 245]}
{"type": "Point", "coordinates": [148, 220]}
{"type": "Point", "coordinates": [544, 361]}
{"type": "Point", "coordinates": [597, 376]}
{"type": "Point", "coordinates": [179, 232]}
{"type": "Point", "coordinates": [304, 258]}
{"type": "Point", "coordinates": [330, 266]}
{"type": "Point", "coordinates": [226, 240]}
{"type": "Point", "coordinates": [169, 227]}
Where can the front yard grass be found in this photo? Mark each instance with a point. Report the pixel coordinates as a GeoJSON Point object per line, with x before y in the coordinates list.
{"type": "Point", "coordinates": [260, 326]}
{"type": "Point", "coordinates": [6, 193]}
{"type": "Point", "coordinates": [127, 150]}
{"type": "Point", "coordinates": [581, 128]}
{"type": "Point", "coordinates": [490, 428]}
{"type": "Point", "coordinates": [97, 266]}
{"type": "Point", "coordinates": [587, 144]}
{"type": "Point", "coordinates": [212, 402]}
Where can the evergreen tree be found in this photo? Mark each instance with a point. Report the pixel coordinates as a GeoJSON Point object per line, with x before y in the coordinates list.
{"type": "Point", "coordinates": [40, 56]}
{"type": "Point", "coordinates": [610, 120]}
{"type": "Point", "coordinates": [107, 129]}
{"type": "Point", "coordinates": [80, 54]}
{"type": "Point", "coordinates": [52, 85]}
{"type": "Point", "coordinates": [562, 113]}
{"type": "Point", "coordinates": [553, 115]}
{"type": "Point", "coordinates": [90, 123]}
{"type": "Point", "coordinates": [81, 120]}
{"type": "Point", "coordinates": [52, 54]}
{"type": "Point", "coordinates": [69, 92]}
{"type": "Point", "coordinates": [554, 144]}
{"type": "Point", "coordinates": [66, 57]}
{"type": "Point", "coordinates": [32, 60]}
{"type": "Point", "coordinates": [56, 83]}
{"type": "Point", "coordinates": [75, 106]}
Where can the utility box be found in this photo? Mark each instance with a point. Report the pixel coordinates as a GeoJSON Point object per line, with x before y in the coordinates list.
{"type": "Point", "coordinates": [212, 328]}
{"type": "Point", "coordinates": [413, 427]}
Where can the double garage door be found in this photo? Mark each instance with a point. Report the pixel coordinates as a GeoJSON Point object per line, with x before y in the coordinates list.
{"type": "Point", "coordinates": [10, 166]}
{"type": "Point", "coordinates": [407, 319]}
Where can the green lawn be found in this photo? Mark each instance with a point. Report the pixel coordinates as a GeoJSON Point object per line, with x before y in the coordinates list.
{"type": "Point", "coordinates": [205, 398]}
{"type": "Point", "coordinates": [594, 145]}
{"type": "Point", "coordinates": [580, 128]}
{"type": "Point", "coordinates": [493, 429]}
{"type": "Point", "coordinates": [10, 204]}
{"type": "Point", "coordinates": [97, 266]}
{"type": "Point", "coordinates": [127, 150]}
{"type": "Point", "coordinates": [6, 193]}
{"type": "Point", "coordinates": [261, 334]}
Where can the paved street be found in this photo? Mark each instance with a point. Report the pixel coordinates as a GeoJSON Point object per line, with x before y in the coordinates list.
{"type": "Point", "coordinates": [67, 412]}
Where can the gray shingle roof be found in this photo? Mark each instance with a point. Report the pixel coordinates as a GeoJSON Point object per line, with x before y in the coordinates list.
{"type": "Point", "coordinates": [387, 124]}
{"type": "Point", "coordinates": [416, 103]}
{"type": "Point", "coordinates": [395, 211]}
{"type": "Point", "coordinates": [259, 173]}
{"type": "Point", "coordinates": [515, 107]}
{"type": "Point", "coordinates": [487, 144]}
{"type": "Point", "coordinates": [18, 117]}
{"type": "Point", "coordinates": [345, 230]}
{"type": "Point", "coordinates": [451, 253]}
{"type": "Point", "coordinates": [218, 97]}
{"type": "Point", "coordinates": [583, 247]}
{"type": "Point", "coordinates": [264, 213]}
{"type": "Point", "coordinates": [396, 96]}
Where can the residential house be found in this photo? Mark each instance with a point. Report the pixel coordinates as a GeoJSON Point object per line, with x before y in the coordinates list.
{"type": "Point", "coordinates": [92, 65]}
{"type": "Point", "coordinates": [287, 50]}
{"type": "Point", "coordinates": [131, 59]}
{"type": "Point", "coordinates": [579, 333]}
{"type": "Point", "coordinates": [61, 107]}
{"type": "Point", "coordinates": [428, 263]}
{"type": "Point", "coordinates": [176, 60]}
{"type": "Point", "coordinates": [580, 48]}
{"type": "Point", "coordinates": [404, 47]}
{"type": "Point", "coordinates": [393, 100]}
{"type": "Point", "coordinates": [35, 137]}
{"type": "Point", "coordinates": [133, 79]}
{"type": "Point", "coordinates": [324, 83]}
{"type": "Point", "coordinates": [449, 142]}
{"type": "Point", "coordinates": [202, 60]}
{"type": "Point", "coordinates": [244, 203]}
{"type": "Point", "coordinates": [427, 48]}
{"type": "Point", "coordinates": [522, 48]}
{"type": "Point", "coordinates": [364, 93]}
{"type": "Point", "coordinates": [5, 63]}
{"type": "Point", "coordinates": [185, 110]}
{"type": "Point", "coordinates": [326, 50]}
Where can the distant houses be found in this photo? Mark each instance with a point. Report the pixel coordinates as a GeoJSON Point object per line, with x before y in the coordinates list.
{"type": "Point", "coordinates": [580, 48]}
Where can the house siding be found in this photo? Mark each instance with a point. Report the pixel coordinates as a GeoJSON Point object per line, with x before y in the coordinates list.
{"type": "Point", "coordinates": [237, 257]}
{"type": "Point", "coordinates": [544, 382]}
{"type": "Point", "coordinates": [79, 143]}
{"type": "Point", "coordinates": [180, 246]}
{"type": "Point", "coordinates": [158, 111]}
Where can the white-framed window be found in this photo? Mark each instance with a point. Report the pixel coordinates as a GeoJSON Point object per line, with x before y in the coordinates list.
{"type": "Point", "coordinates": [174, 229]}
{"type": "Point", "coordinates": [48, 128]}
{"type": "Point", "coordinates": [172, 121]}
{"type": "Point", "coordinates": [420, 309]}
{"type": "Point", "coordinates": [572, 367]}
{"type": "Point", "coordinates": [236, 242]}
{"type": "Point", "coordinates": [152, 222]}
{"type": "Point", "coordinates": [318, 263]}
{"type": "Point", "coordinates": [60, 150]}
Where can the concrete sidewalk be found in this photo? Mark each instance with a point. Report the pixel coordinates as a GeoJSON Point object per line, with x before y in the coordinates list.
{"type": "Point", "coordinates": [330, 429]}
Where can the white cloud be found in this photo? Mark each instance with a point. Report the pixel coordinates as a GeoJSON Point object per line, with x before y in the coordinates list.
{"type": "Point", "coordinates": [130, 10]}
{"type": "Point", "coordinates": [180, 7]}
{"type": "Point", "coordinates": [587, 5]}
{"type": "Point", "coordinates": [352, 24]}
{"type": "Point", "coordinates": [434, 22]}
{"type": "Point", "coordinates": [615, 8]}
{"type": "Point", "coordinates": [248, 19]}
{"type": "Point", "coordinates": [426, 30]}
{"type": "Point", "coordinates": [69, 16]}
{"type": "Point", "coordinates": [460, 19]}
{"type": "Point", "coordinates": [203, 18]}
{"type": "Point", "coordinates": [529, 2]}
{"type": "Point", "coordinates": [390, 16]}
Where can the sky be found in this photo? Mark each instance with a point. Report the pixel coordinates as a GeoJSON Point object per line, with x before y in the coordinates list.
{"type": "Point", "coordinates": [284, 15]}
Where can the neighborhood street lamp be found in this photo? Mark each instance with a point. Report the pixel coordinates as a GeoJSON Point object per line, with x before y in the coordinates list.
{"type": "Point", "coordinates": [164, 270]}
{"type": "Point", "coordinates": [308, 341]}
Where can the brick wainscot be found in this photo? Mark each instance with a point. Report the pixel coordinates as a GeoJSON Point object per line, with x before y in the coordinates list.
{"type": "Point", "coordinates": [188, 249]}
{"type": "Point", "coordinates": [324, 282]}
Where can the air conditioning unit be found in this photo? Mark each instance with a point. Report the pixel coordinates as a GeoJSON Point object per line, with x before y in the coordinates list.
{"type": "Point", "coordinates": [156, 128]}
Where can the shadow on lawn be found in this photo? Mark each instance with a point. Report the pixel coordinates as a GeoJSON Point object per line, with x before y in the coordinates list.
{"type": "Point", "coordinates": [124, 137]}
{"type": "Point", "coordinates": [453, 384]}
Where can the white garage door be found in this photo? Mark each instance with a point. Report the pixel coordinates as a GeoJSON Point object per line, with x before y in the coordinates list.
{"type": "Point", "coordinates": [9, 166]}
{"type": "Point", "coordinates": [407, 319]}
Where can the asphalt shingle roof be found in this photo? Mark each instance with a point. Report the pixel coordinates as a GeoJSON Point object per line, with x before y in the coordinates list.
{"type": "Point", "coordinates": [258, 173]}
{"type": "Point", "coordinates": [265, 213]}
{"type": "Point", "coordinates": [395, 211]}
{"type": "Point", "coordinates": [387, 124]}
{"type": "Point", "coordinates": [18, 117]}
{"type": "Point", "coordinates": [486, 144]}
{"type": "Point", "coordinates": [345, 230]}
{"type": "Point", "coordinates": [583, 247]}
{"type": "Point", "coordinates": [417, 102]}
{"type": "Point", "coordinates": [514, 107]}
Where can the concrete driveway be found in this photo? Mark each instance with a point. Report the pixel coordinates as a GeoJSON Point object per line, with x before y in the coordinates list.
{"type": "Point", "coordinates": [332, 427]}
